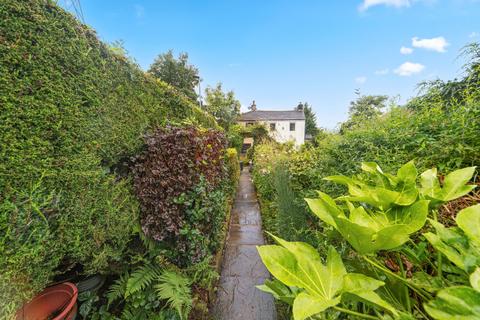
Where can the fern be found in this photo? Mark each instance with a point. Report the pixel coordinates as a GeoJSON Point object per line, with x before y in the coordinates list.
{"type": "Point", "coordinates": [175, 288]}
{"type": "Point", "coordinates": [118, 288]}
{"type": "Point", "coordinates": [141, 278]}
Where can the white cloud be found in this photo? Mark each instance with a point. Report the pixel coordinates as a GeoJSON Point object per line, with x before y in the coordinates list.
{"type": "Point", "coordinates": [435, 44]}
{"type": "Point", "coordinates": [391, 3]}
{"type": "Point", "coordinates": [409, 68]}
{"type": "Point", "coordinates": [361, 79]}
{"type": "Point", "coordinates": [406, 50]}
{"type": "Point", "coordinates": [382, 72]}
{"type": "Point", "coordinates": [473, 35]}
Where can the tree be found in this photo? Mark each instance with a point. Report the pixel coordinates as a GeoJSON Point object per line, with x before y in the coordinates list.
{"type": "Point", "coordinates": [176, 72]}
{"type": "Point", "coordinates": [364, 108]}
{"type": "Point", "coordinates": [222, 105]}
{"type": "Point", "coordinates": [310, 119]}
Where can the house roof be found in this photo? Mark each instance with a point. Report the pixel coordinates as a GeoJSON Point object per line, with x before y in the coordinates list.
{"type": "Point", "coordinates": [266, 115]}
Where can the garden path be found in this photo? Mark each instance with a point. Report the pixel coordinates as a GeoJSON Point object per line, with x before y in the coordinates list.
{"type": "Point", "coordinates": [242, 269]}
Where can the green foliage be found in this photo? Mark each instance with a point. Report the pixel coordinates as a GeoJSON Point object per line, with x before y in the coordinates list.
{"type": "Point", "coordinates": [311, 126]}
{"type": "Point", "coordinates": [223, 106]}
{"type": "Point", "coordinates": [299, 265]}
{"type": "Point", "coordinates": [233, 168]}
{"type": "Point", "coordinates": [461, 303]}
{"type": "Point", "coordinates": [141, 293]}
{"type": "Point", "coordinates": [235, 137]}
{"type": "Point", "coordinates": [363, 109]}
{"type": "Point", "coordinates": [175, 288]}
{"type": "Point", "coordinates": [73, 112]}
{"type": "Point", "coordinates": [290, 217]}
{"type": "Point", "coordinates": [176, 72]}
{"type": "Point", "coordinates": [395, 210]}
{"type": "Point", "coordinates": [460, 245]}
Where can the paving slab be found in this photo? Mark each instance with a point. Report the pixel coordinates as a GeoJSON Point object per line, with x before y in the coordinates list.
{"type": "Point", "coordinates": [242, 268]}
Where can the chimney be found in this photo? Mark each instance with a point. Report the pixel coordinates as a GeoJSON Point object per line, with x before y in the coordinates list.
{"type": "Point", "coordinates": [299, 107]}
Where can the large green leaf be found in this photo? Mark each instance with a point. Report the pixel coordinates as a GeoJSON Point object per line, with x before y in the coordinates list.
{"type": "Point", "coordinates": [369, 231]}
{"type": "Point", "coordinates": [306, 305]}
{"type": "Point", "coordinates": [455, 303]}
{"type": "Point", "coordinates": [282, 265]}
{"type": "Point", "coordinates": [279, 291]}
{"type": "Point", "coordinates": [455, 245]}
{"type": "Point", "coordinates": [430, 186]}
{"type": "Point", "coordinates": [468, 220]}
{"type": "Point", "coordinates": [475, 279]}
{"type": "Point", "coordinates": [454, 185]}
{"type": "Point", "coordinates": [298, 264]}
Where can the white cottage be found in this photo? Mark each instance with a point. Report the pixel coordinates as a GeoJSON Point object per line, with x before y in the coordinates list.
{"type": "Point", "coordinates": [283, 126]}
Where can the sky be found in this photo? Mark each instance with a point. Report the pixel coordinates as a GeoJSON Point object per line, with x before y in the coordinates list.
{"type": "Point", "coordinates": [282, 52]}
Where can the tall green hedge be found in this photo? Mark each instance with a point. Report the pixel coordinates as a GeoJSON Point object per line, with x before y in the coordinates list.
{"type": "Point", "coordinates": [72, 113]}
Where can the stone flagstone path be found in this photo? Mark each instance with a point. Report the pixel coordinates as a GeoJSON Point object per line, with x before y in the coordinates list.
{"type": "Point", "coordinates": [242, 269]}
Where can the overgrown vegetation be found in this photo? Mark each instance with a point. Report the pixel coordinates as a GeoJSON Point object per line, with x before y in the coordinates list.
{"type": "Point", "coordinates": [75, 112]}
{"type": "Point", "coordinates": [420, 262]}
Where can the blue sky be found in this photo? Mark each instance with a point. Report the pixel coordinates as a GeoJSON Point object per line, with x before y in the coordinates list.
{"type": "Point", "coordinates": [280, 52]}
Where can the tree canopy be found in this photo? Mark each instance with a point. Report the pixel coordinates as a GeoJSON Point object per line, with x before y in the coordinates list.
{"type": "Point", "coordinates": [310, 119]}
{"type": "Point", "coordinates": [365, 107]}
{"type": "Point", "coordinates": [176, 72]}
{"type": "Point", "coordinates": [222, 105]}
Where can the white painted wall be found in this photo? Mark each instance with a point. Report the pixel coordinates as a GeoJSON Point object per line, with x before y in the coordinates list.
{"type": "Point", "coordinates": [282, 131]}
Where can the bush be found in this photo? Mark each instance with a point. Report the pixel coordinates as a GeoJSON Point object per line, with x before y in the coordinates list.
{"type": "Point", "coordinates": [233, 168]}
{"type": "Point", "coordinates": [176, 180]}
{"type": "Point", "coordinates": [72, 112]}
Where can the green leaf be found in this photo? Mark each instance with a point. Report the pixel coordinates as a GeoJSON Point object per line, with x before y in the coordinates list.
{"type": "Point", "coordinates": [455, 303]}
{"type": "Point", "coordinates": [279, 291]}
{"type": "Point", "coordinates": [429, 184]}
{"type": "Point", "coordinates": [325, 208]}
{"type": "Point", "coordinates": [468, 220]}
{"type": "Point", "coordinates": [282, 265]}
{"type": "Point", "coordinates": [475, 279]}
{"type": "Point", "coordinates": [408, 173]}
{"type": "Point", "coordinates": [414, 216]}
{"type": "Point", "coordinates": [306, 305]}
{"type": "Point", "coordinates": [455, 186]}
{"type": "Point", "coordinates": [141, 278]}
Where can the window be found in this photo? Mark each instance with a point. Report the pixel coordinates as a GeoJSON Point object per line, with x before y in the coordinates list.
{"type": "Point", "coordinates": [292, 126]}
{"type": "Point", "coordinates": [272, 126]}
{"type": "Point", "coordinates": [249, 124]}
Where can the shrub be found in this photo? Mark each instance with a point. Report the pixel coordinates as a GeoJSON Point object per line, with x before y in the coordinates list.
{"type": "Point", "coordinates": [72, 111]}
{"type": "Point", "coordinates": [291, 217]}
{"type": "Point", "coordinates": [233, 168]}
{"type": "Point", "coordinates": [176, 179]}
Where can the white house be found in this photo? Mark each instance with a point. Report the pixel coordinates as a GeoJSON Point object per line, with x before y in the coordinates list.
{"type": "Point", "coordinates": [283, 126]}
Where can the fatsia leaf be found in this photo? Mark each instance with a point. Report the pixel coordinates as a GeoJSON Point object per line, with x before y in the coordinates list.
{"type": "Point", "coordinates": [279, 291]}
{"type": "Point", "coordinates": [414, 216]}
{"type": "Point", "coordinates": [325, 208]}
{"type": "Point", "coordinates": [468, 220]}
{"type": "Point", "coordinates": [452, 243]}
{"type": "Point", "coordinates": [430, 186]}
{"type": "Point", "coordinates": [457, 303]}
{"type": "Point", "coordinates": [475, 279]}
{"type": "Point", "coordinates": [282, 265]}
{"type": "Point", "coordinates": [306, 305]}
{"type": "Point", "coordinates": [363, 287]}
{"type": "Point", "coordinates": [455, 186]}
{"type": "Point", "coordinates": [408, 173]}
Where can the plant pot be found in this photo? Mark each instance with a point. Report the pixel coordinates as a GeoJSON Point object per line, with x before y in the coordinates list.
{"type": "Point", "coordinates": [56, 303]}
{"type": "Point", "coordinates": [90, 284]}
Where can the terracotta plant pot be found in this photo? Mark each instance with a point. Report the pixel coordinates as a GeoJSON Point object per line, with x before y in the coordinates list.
{"type": "Point", "coordinates": [54, 303]}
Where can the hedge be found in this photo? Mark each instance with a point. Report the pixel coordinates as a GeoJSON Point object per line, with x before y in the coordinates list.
{"type": "Point", "coordinates": [72, 113]}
